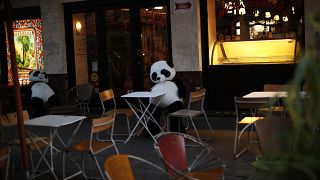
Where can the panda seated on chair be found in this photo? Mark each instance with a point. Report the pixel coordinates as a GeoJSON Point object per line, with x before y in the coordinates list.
{"type": "Point", "coordinates": [40, 93]}
{"type": "Point", "coordinates": [163, 74]}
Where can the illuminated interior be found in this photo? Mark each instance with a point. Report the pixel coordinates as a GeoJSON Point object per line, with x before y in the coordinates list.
{"type": "Point", "coordinates": [277, 51]}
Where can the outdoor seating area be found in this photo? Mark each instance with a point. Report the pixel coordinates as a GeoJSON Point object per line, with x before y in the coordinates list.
{"type": "Point", "coordinates": [213, 147]}
{"type": "Point", "coordinates": [140, 89]}
{"type": "Point", "coordinates": [146, 156]}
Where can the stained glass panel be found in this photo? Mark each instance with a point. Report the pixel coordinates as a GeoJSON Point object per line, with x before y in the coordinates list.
{"type": "Point", "coordinates": [28, 47]}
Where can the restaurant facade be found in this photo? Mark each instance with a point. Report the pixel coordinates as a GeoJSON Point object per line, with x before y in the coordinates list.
{"type": "Point", "coordinates": [228, 47]}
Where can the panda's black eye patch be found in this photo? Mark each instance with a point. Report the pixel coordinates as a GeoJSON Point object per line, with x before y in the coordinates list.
{"type": "Point", "coordinates": [154, 76]}
{"type": "Point", "coordinates": [45, 75]}
{"type": "Point", "coordinates": [36, 73]}
{"type": "Point", "coordinates": [166, 73]}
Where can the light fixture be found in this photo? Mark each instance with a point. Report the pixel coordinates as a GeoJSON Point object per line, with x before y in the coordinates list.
{"type": "Point", "coordinates": [78, 26]}
{"type": "Point", "coordinates": [158, 7]}
{"type": "Point", "coordinates": [276, 17]}
{"type": "Point", "coordinates": [268, 14]}
{"type": "Point", "coordinates": [229, 7]}
{"type": "Point", "coordinates": [256, 13]}
{"type": "Point", "coordinates": [285, 18]}
{"type": "Point", "coordinates": [242, 10]}
{"type": "Point", "coordinates": [293, 11]}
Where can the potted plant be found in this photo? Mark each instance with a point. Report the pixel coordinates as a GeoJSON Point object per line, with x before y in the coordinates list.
{"type": "Point", "coordinates": [302, 159]}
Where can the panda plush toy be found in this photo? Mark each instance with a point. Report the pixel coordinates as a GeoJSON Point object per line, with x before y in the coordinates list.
{"type": "Point", "coordinates": [40, 92]}
{"type": "Point", "coordinates": [163, 74]}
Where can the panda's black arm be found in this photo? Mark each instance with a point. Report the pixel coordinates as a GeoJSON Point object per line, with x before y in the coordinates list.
{"type": "Point", "coordinates": [182, 92]}
{"type": "Point", "coordinates": [53, 88]}
{"type": "Point", "coordinates": [28, 89]}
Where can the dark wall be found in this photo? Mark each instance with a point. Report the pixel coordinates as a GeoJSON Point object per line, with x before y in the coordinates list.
{"type": "Point", "coordinates": [223, 82]}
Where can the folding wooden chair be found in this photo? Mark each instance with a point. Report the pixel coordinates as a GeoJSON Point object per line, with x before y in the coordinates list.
{"type": "Point", "coordinates": [108, 95]}
{"type": "Point", "coordinates": [194, 109]}
{"type": "Point", "coordinates": [91, 146]}
{"type": "Point", "coordinates": [119, 167]}
{"type": "Point", "coordinates": [179, 164]}
{"type": "Point", "coordinates": [251, 106]}
{"type": "Point", "coordinates": [83, 94]}
{"type": "Point", "coordinates": [9, 121]}
{"type": "Point", "coordinates": [279, 107]}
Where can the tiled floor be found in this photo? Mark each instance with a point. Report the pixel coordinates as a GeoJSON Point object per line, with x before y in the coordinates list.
{"type": "Point", "coordinates": [222, 142]}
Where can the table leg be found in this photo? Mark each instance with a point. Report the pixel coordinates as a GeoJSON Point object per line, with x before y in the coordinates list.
{"type": "Point", "coordinates": [144, 117]}
{"type": "Point", "coordinates": [43, 153]}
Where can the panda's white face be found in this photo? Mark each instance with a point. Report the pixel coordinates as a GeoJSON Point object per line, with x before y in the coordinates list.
{"type": "Point", "coordinates": [160, 71]}
{"type": "Point", "coordinates": [38, 75]}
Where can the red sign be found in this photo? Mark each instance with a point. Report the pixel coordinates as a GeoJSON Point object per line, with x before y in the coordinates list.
{"type": "Point", "coordinates": [183, 5]}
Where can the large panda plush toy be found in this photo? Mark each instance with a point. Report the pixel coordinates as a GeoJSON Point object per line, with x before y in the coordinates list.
{"type": "Point", "coordinates": [163, 74]}
{"type": "Point", "coordinates": [40, 92]}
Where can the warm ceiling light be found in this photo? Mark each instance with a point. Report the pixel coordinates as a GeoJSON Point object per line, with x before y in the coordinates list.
{"type": "Point", "coordinates": [229, 7]}
{"type": "Point", "coordinates": [256, 13]}
{"type": "Point", "coordinates": [268, 15]}
{"type": "Point", "coordinates": [292, 8]}
{"type": "Point", "coordinates": [276, 17]}
{"type": "Point", "coordinates": [158, 7]}
{"type": "Point", "coordinates": [242, 11]}
{"type": "Point", "coordinates": [285, 18]}
{"type": "Point", "coordinates": [78, 26]}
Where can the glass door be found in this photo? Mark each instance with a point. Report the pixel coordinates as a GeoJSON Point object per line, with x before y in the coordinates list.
{"type": "Point", "coordinates": [135, 38]}
{"type": "Point", "coordinates": [114, 46]}
{"type": "Point", "coordinates": [154, 39]}
{"type": "Point", "coordinates": [118, 71]}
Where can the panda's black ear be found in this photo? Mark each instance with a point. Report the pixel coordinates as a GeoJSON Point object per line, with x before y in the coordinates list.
{"type": "Point", "coordinates": [170, 64]}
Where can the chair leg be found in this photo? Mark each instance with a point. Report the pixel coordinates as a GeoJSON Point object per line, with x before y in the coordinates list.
{"type": "Point", "coordinates": [8, 165]}
{"type": "Point", "coordinates": [194, 127]}
{"type": "Point", "coordinates": [128, 124]}
{"type": "Point", "coordinates": [31, 160]}
{"type": "Point", "coordinates": [237, 141]}
{"type": "Point", "coordinates": [81, 171]}
{"type": "Point", "coordinates": [168, 123]}
{"type": "Point", "coordinates": [208, 122]}
{"type": "Point", "coordinates": [97, 163]}
{"type": "Point", "coordinates": [250, 137]}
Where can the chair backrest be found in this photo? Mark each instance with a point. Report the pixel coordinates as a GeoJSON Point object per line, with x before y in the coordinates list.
{"type": "Point", "coordinates": [84, 91]}
{"type": "Point", "coordinates": [252, 104]}
{"type": "Point", "coordinates": [117, 167]}
{"type": "Point", "coordinates": [197, 98]}
{"type": "Point", "coordinates": [10, 119]}
{"type": "Point", "coordinates": [180, 160]}
{"type": "Point", "coordinates": [120, 166]}
{"type": "Point", "coordinates": [275, 87]}
{"type": "Point", "coordinates": [102, 124]}
{"type": "Point", "coordinates": [172, 149]}
{"type": "Point", "coordinates": [106, 96]}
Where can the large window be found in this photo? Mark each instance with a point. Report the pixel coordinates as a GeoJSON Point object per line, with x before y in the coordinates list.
{"type": "Point", "coordinates": [258, 19]}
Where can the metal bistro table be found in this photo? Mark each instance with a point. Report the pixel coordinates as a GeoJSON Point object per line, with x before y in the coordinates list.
{"type": "Point", "coordinates": [273, 94]}
{"type": "Point", "coordinates": [267, 94]}
{"type": "Point", "coordinates": [142, 111]}
{"type": "Point", "coordinates": [53, 122]}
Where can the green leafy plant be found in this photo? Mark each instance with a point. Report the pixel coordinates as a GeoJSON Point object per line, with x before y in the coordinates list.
{"type": "Point", "coordinates": [302, 160]}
